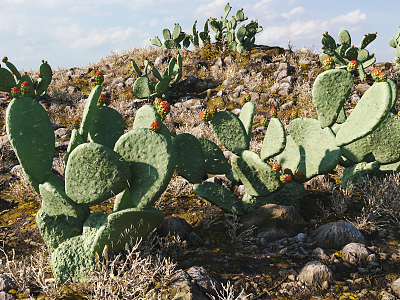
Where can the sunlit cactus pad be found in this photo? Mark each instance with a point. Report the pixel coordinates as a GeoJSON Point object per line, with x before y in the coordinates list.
{"type": "Point", "coordinates": [95, 173]}
{"type": "Point", "coordinates": [152, 162]}
{"type": "Point", "coordinates": [274, 141]}
{"type": "Point", "coordinates": [32, 137]}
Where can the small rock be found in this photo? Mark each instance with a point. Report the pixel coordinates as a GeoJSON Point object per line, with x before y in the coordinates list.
{"type": "Point", "coordinates": [221, 93]}
{"type": "Point", "coordinates": [396, 287]}
{"type": "Point", "coordinates": [288, 79]}
{"type": "Point", "coordinates": [6, 283]}
{"type": "Point", "coordinates": [254, 96]}
{"type": "Point", "coordinates": [240, 88]}
{"type": "Point", "coordinates": [228, 154]}
{"type": "Point", "coordinates": [7, 296]}
{"type": "Point", "coordinates": [228, 60]}
{"type": "Point", "coordinates": [61, 132]}
{"type": "Point", "coordinates": [287, 106]}
{"type": "Point", "coordinates": [315, 272]}
{"type": "Point", "coordinates": [301, 237]}
{"type": "Point", "coordinates": [355, 253]}
{"type": "Point", "coordinates": [204, 280]}
{"type": "Point", "coordinates": [160, 60]}
{"type": "Point", "coordinates": [320, 253]}
{"type": "Point", "coordinates": [219, 62]}
{"type": "Point", "coordinates": [130, 82]}
{"type": "Point", "coordinates": [194, 240]}
{"type": "Point", "coordinates": [362, 87]}
{"type": "Point", "coordinates": [387, 296]}
{"type": "Point", "coordinates": [174, 226]}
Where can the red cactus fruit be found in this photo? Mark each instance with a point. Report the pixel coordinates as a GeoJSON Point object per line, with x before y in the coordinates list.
{"type": "Point", "coordinates": [98, 78]}
{"type": "Point", "coordinates": [298, 176]}
{"type": "Point", "coordinates": [277, 167]}
{"type": "Point", "coordinates": [205, 116]}
{"type": "Point", "coordinates": [247, 97]}
{"type": "Point", "coordinates": [213, 111]}
{"type": "Point", "coordinates": [375, 73]}
{"type": "Point", "coordinates": [102, 99]}
{"type": "Point", "coordinates": [108, 101]}
{"type": "Point", "coordinates": [328, 63]}
{"type": "Point", "coordinates": [285, 178]}
{"type": "Point", "coordinates": [75, 124]}
{"type": "Point", "coordinates": [15, 92]}
{"type": "Point", "coordinates": [5, 59]}
{"type": "Point", "coordinates": [244, 100]}
{"type": "Point", "coordinates": [352, 66]}
{"type": "Point", "coordinates": [264, 122]}
{"type": "Point", "coordinates": [7, 96]}
{"type": "Point", "coordinates": [165, 106]}
{"type": "Point", "coordinates": [294, 114]}
{"type": "Point", "coordinates": [25, 88]}
{"type": "Point", "coordinates": [273, 112]}
{"type": "Point", "coordinates": [156, 127]}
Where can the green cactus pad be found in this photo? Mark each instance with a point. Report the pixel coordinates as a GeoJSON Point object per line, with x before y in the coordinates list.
{"type": "Point", "coordinates": [357, 174]}
{"type": "Point", "coordinates": [75, 141]}
{"type": "Point", "coordinates": [218, 195]}
{"type": "Point", "coordinates": [344, 36]}
{"type": "Point", "coordinates": [156, 41]}
{"type": "Point", "coordinates": [393, 87]}
{"type": "Point", "coordinates": [377, 101]}
{"type": "Point", "coordinates": [106, 127]}
{"type": "Point", "coordinates": [358, 150]}
{"type": "Point", "coordinates": [230, 131]}
{"type": "Point", "coordinates": [291, 194]}
{"type": "Point", "coordinates": [34, 184]}
{"type": "Point", "coordinates": [123, 200]}
{"type": "Point", "coordinates": [141, 87]}
{"type": "Point", "coordinates": [146, 115]}
{"type": "Point", "coordinates": [152, 161]}
{"type": "Point", "coordinates": [258, 177]}
{"type": "Point", "coordinates": [95, 173]}
{"type": "Point", "coordinates": [341, 117]}
{"type": "Point", "coordinates": [274, 141]}
{"type": "Point", "coordinates": [317, 146]}
{"type": "Point", "coordinates": [26, 78]}
{"type": "Point", "coordinates": [390, 168]}
{"type": "Point", "coordinates": [214, 159]}
{"type": "Point", "coordinates": [57, 229]}
{"type": "Point", "coordinates": [367, 39]}
{"type": "Point", "coordinates": [290, 157]}
{"type": "Point", "coordinates": [31, 135]}
{"type": "Point", "coordinates": [7, 81]}
{"type": "Point", "coordinates": [330, 91]}
{"type": "Point", "coordinates": [126, 226]}
{"type": "Point", "coordinates": [73, 258]}
{"type": "Point", "coordinates": [89, 111]}
{"type": "Point", "coordinates": [246, 116]}
{"type": "Point", "coordinates": [190, 164]}
{"type": "Point", "coordinates": [55, 201]}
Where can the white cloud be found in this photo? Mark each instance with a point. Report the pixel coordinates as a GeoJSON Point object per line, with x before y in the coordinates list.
{"type": "Point", "coordinates": [263, 2]}
{"type": "Point", "coordinates": [296, 30]}
{"type": "Point", "coordinates": [213, 9]}
{"type": "Point", "coordinates": [109, 36]}
{"type": "Point", "coordinates": [353, 17]}
{"type": "Point", "coordinates": [295, 11]}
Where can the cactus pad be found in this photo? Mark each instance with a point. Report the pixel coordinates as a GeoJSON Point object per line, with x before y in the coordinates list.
{"type": "Point", "coordinates": [145, 116]}
{"type": "Point", "coordinates": [318, 149]}
{"type": "Point", "coordinates": [219, 196]}
{"type": "Point", "coordinates": [151, 159]}
{"type": "Point", "coordinates": [95, 173]}
{"type": "Point", "coordinates": [258, 177]}
{"type": "Point", "coordinates": [190, 162]}
{"type": "Point", "coordinates": [31, 135]}
{"type": "Point", "coordinates": [89, 111]}
{"type": "Point", "coordinates": [377, 101]}
{"type": "Point", "coordinates": [246, 116]}
{"type": "Point", "coordinates": [274, 140]}
{"type": "Point", "coordinates": [214, 159]}
{"type": "Point", "coordinates": [290, 157]}
{"type": "Point", "coordinates": [106, 127]}
{"type": "Point", "coordinates": [123, 200]}
{"type": "Point", "coordinates": [330, 91]}
{"type": "Point", "coordinates": [230, 131]}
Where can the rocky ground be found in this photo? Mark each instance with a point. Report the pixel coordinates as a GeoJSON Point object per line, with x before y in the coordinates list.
{"type": "Point", "coordinates": [328, 249]}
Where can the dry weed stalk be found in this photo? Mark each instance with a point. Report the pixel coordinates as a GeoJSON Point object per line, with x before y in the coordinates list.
{"type": "Point", "coordinates": [227, 293]}
{"type": "Point", "coordinates": [232, 224]}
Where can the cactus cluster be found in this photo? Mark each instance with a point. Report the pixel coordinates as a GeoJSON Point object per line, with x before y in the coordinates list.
{"type": "Point", "coordinates": [112, 163]}
{"type": "Point", "coordinates": [225, 31]}
{"type": "Point", "coordinates": [344, 54]}
{"type": "Point", "coordinates": [12, 78]}
{"type": "Point", "coordinates": [164, 86]}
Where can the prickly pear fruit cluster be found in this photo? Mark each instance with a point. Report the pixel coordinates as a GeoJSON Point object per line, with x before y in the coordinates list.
{"type": "Point", "coordinates": [273, 112]}
{"type": "Point", "coordinates": [156, 127]}
{"type": "Point", "coordinates": [287, 171]}
{"type": "Point", "coordinates": [352, 66]}
{"type": "Point", "coordinates": [264, 122]}
{"type": "Point", "coordinates": [102, 99]}
{"type": "Point", "coordinates": [157, 102]}
{"type": "Point", "coordinates": [25, 88]}
{"type": "Point", "coordinates": [98, 78]}
{"type": "Point", "coordinates": [328, 63]}
{"type": "Point", "coordinates": [5, 59]}
{"type": "Point", "coordinates": [294, 114]}
{"type": "Point", "coordinates": [75, 124]}
{"type": "Point", "coordinates": [15, 92]}
{"type": "Point", "coordinates": [163, 108]}
{"type": "Point", "coordinates": [206, 116]}
{"type": "Point", "coordinates": [245, 99]}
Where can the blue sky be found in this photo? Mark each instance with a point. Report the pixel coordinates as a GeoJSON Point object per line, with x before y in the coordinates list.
{"type": "Point", "coordinates": [71, 33]}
